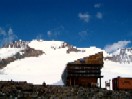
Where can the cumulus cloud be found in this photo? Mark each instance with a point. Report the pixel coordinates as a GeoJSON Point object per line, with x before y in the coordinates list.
{"type": "Point", "coordinates": [99, 15]}
{"type": "Point", "coordinates": [97, 5]}
{"type": "Point", "coordinates": [2, 31]}
{"type": "Point", "coordinates": [55, 33]}
{"type": "Point", "coordinates": [83, 35]}
{"type": "Point", "coordinates": [7, 36]}
{"type": "Point", "coordinates": [11, 35]}
{"type": "Point", "coordinates": [39, 37]}
{"type": "Point", "coordinates": [49, 33]}
{"type": "Point", "coordinates": [84, 16]}
{"type": "Point", "coordinates": [113, 47]}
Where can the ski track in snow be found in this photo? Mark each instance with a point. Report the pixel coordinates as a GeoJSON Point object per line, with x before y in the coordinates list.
{"type": "Point", "coordinates": [49, 66]}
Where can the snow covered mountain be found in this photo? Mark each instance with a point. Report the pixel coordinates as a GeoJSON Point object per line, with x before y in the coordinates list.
{"type": "Point", "coordinates": [49, 61]}
{"type": "Point", "coordinates": [16, 44]}
{"type": "Point", "coordinates": [121, 56]}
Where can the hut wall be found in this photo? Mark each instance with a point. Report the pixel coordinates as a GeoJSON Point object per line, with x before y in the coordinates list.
{"type": "Point", "coordinates": [122, 83]}
{"type": "Point", "coordinates": [86, 81]}
{"type": "Point", "coordinates": [84, 71]}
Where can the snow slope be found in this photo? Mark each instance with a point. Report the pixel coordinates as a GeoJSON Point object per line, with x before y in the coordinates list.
{"type": "Point", "coordinates": [8, 52]}
{"type": "Point", "coordinates": [49, 66]}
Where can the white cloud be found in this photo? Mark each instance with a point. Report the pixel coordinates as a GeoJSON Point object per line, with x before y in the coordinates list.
{"type": "Point", "coordinates": [7, 36]}
{"type": "Point", "coordinates": [49, 33]}
{"type": "Point", "coordinates": [98, 5]}
{"type": "Point", "coordinates": [55, 33]}
{"type": "Point", "coordinates": [84, 16]}
{"type": "Point", "coordinates": [2, 32]}
{"type": "Point", "coordinates": [115, 46]}
{"type": "Point", "coordinates": [83, 35]}
{"type": "Point", "coordinates": [39, 37]}
{"type": "Point", "coordinates": [99, 15]}
{"type": "Point", "coordinates": [11, 35]}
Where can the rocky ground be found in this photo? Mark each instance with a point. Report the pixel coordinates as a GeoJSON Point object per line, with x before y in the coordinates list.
{"type": "Point", "coordinates": [23, 90]}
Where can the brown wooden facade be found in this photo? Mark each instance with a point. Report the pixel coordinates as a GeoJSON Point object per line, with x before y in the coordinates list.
{"type": "Point", "coordinates": [84, 72]}
{"type": "Point", "coordinates": [120, 83]}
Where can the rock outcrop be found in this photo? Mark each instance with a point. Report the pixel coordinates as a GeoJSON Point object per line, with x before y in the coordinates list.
{"type": "Point", "coordinates": [28, 52]}
{"type": "Point", "coordinates": [121, 56]}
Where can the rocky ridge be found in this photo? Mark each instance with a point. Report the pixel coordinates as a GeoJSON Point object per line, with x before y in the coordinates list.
{"type": "Point", "coordinates": [16, 44]}
{"type": "Point", "coordinates": [121, 56]}
{"type": "Point", "coordinates": [70, 48]}
{"type": "Point", "coordinates": [26, 52]}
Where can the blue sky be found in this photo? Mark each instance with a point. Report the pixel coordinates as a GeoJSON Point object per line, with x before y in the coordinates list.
{"type": "Point", "coordinates": [84, 23]}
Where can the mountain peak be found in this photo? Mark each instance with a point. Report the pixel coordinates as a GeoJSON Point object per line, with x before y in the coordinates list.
{"type": "Point", "coordinates": [123, 55]}
{"type": "Point", "coordinates": [17, 44]}
{"type": "Point", "coordinates": [46, 61]}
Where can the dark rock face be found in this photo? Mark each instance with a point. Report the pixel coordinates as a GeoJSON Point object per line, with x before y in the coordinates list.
{"type": "Point", "coordinates": [71, 48]}
{"type": "Point", "coordinates": [28, 52]}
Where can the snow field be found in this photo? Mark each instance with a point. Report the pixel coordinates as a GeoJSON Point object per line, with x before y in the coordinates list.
{"type": "Point", "coordinates": [49, 66]}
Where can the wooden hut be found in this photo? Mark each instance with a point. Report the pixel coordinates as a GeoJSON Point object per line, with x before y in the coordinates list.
{"type": "Point", "coordinates": [84, 72]}
{"type": "Point", "coordinates": [122, 83]}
